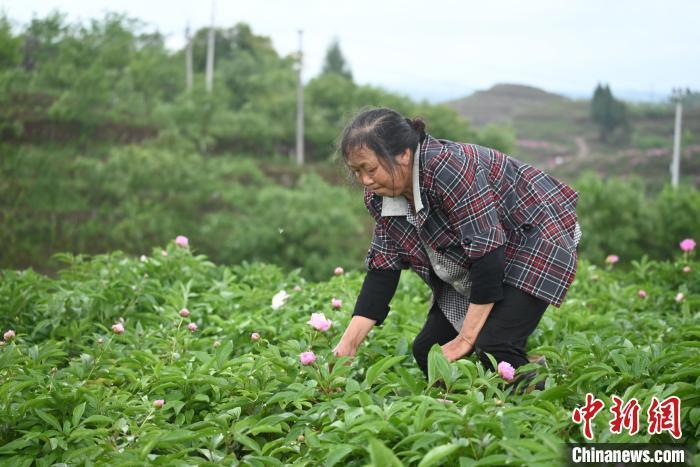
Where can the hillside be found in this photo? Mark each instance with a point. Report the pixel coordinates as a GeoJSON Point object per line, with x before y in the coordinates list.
{"type": "Point", "coordinates": [557, 134]}
{"type": "Point", "coordinates": [503, 102]}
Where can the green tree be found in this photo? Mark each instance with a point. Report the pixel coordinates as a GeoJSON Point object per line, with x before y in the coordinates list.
{"type": "Point", "coordinates": [609, 113]}
{"type": "Point", "coordinates": [335, 62]}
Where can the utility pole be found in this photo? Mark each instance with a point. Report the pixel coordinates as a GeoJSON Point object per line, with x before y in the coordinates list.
{"type": "Point", "coordinates": [677, 96]}
{"type": "Point", "coordinates": [210, 52]}
{"type": "Point", "coordinates": [300, 106]}
{"type": "Point", "coordinates": [188, 58]}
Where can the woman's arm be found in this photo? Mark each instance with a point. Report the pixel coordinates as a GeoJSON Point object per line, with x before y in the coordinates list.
{"type": "Point", "coordinates": [473, 322]}
{"type": "Point", "coordinates": [371, 309]}
{"type": "Point", "coordinates": [355, 333]}
{"type": "Point", "coordinates": [463, 344]}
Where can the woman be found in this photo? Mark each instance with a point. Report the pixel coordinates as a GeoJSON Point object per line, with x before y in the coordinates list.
{"type": "Point", "coordinates": [494, 238]}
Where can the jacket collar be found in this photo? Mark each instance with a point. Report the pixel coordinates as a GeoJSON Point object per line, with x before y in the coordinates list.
{"type": "Point", "coordinates": [398, 205]}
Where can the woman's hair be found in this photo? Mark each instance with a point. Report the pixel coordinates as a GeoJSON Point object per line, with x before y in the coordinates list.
{"type": "Point", "coordinates": [384, 131]}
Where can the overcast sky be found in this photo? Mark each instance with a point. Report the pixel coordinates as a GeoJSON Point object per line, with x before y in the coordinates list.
{"type": "Point", "coordinates": [443, 49]}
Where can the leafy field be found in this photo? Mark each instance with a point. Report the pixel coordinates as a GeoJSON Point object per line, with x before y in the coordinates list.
{"type": "Point", "coordinates": [74, 391]}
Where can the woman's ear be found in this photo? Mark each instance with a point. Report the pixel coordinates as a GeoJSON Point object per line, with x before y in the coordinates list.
{"type": "Point", "coordinates": [405, 156]}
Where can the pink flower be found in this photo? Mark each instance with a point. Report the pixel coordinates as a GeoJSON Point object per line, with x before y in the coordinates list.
{"type": "Point", "coordinates": [164, 253]}
{"type": "Point", "coordinates": [158, 403]}
{"type": "Point", "coordinates": [307, 358]}
{"type": "Point", "coordinates": [338, 271]}
{"type": "Point", "coordinates": [192, 327]}
{"type": "Point", "coordinates": [10, 334]}
{"type": "Point", "coordinates": [182, 241]}
{"type": "Point", "coordinates": [688, 244]}
{"type": "Point", "coordinates": [686, 269]}
{"type": "Point", "coordinates": [506, 371]}
{"type": "Point", "coordinates": [680, 297]}
{"type": "Point", "coordinates": [612, 259]}
{"type": "Point", "coordinates": [336, 303]}
{"type": "Point", "coordinates": [319, 322]}
{"type": "Point", "coordinates": [184, 312]}
{"type": "Point", "coordinates": [118, 328]}
{"type": "Point", "coordinates": [255, 336]}
{"type": "Point", "coordinates": [642, 294]}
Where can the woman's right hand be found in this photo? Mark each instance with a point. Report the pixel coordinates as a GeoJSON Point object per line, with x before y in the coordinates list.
{"type": "Point", "coordinates": [344, 349]}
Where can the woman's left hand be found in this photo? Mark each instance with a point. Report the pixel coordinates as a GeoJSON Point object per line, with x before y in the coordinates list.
{"type": "Point", "coordinates": [457, 348]}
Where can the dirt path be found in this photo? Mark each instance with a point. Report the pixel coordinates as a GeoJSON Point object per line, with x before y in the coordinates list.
{"type": "Point", "coordinates": [582, 146]}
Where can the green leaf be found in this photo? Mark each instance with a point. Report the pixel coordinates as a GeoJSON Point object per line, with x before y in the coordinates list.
{"type": "Point", "coordinates": [265, 429]}
{"type": "Point", "coordinates": [337, 453]}
{"type": "Point", "coordinates": [78, 413]}
{"type": "Point", "coordinates": [381, 366]}
{"type": "Point", "coordinates": [48, 418]}
{"type": "Point", "coordinates": [97, 420]}
{"type": "Point", "coordinates": [555, 393]}
{"type": "Point", "coordinates": [382, 455]}
{"type": "Point", "coordinates": [14, 446]}
{"type": "Point", "coordinates": [437, 453]}
{"type": "Point", "coordinates": [438, 366]}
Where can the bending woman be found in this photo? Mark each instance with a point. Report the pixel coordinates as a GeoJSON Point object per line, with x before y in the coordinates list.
{"type": "Point", "coordinates": [495, 239]}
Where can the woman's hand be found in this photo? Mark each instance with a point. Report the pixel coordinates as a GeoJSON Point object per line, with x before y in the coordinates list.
{"type": "Point", "coordinates": [457, 348]}
{"type": "Point", "coordinates": [343, 349]}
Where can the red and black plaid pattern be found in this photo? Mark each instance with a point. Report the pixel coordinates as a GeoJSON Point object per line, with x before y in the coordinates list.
{"type": "Point", "coordinates": [475, 200]}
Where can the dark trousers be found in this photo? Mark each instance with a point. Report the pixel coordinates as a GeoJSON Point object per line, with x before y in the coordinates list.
{"type": "Point", "coordinates": [504, 335]}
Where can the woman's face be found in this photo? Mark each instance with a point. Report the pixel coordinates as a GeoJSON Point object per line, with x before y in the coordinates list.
{"type": "Point", "coordinates": [365, 165]}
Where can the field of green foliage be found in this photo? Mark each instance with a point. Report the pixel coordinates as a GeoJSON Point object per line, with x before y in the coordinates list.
{"type": "Point", "coordinates": [170, 359]}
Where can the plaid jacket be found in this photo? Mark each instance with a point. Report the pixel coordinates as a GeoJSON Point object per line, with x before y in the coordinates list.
{"type": "Point", "coordinates": [476, 199]}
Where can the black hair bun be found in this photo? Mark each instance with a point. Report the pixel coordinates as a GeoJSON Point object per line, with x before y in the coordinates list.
{"type": "Point", "coordinates": [418, 124]}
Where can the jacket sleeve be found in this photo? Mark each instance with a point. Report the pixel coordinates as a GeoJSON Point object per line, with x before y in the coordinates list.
{"type": "Point", "coordinates": [377, 291]}
{"type": "Point", "coordinates": [487, 277]}
{"type": "Point", "coordinates": [466, 197]}
{"type": "Point", "coordinates": [383, 252]}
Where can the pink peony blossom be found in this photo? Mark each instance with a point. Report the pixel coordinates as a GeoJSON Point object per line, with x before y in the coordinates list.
{"type": "Point", "coordinates": [506, 371]}
{"type": "Point", "coordinates": [336, 303]}
{"type": "Point", "coordinates": [307, 358]}
{"type": "Point", "coordinates": [118, 328]}
{"type": "Point", "coordinates": [642, 294]}
{"type": "Point", "coordinates": [687, 269]}
{"type": "Point", "coordinates": [680, 297]}
{"type": "Point", "coordinates": [9, 335]}
{"type": "Point", "coordinates": [688, 244]}
{"type": "Point", "coordinates": [612, 259]}
{"type": "Point", "coordinates": [255, 336]}
{"type": "Point", "coordinates": [192, 327]}
{"type": "Point", "coordinates": [164, 253]}
{"type": "Point", "coordinates": [158, 403]}
{"type": "Point", "coordinates": [184, 312]}
{"type": "Point", "coordinates": [182, 241]}
{"type": "Point", "coordinates": [319, 322]}
{"type": "Point", "coordinates": [339, 271]}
